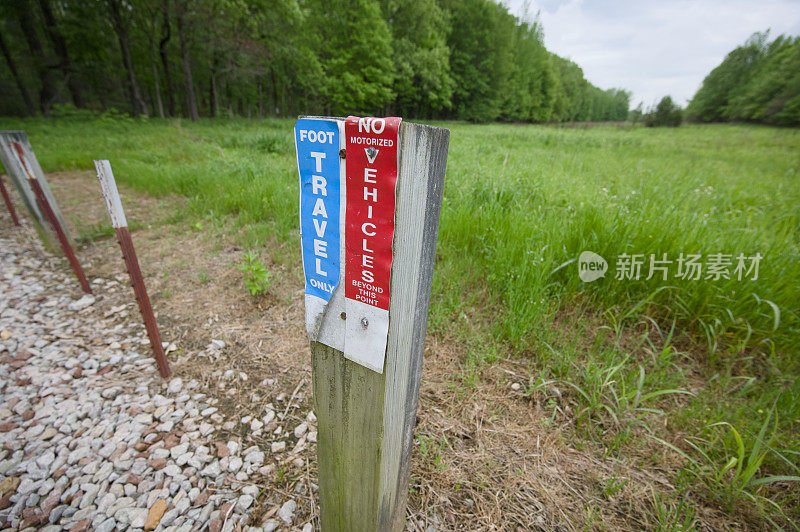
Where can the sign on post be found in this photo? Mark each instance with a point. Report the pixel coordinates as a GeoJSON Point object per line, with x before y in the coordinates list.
{"type": "Point", "coordinates": [369, 230]}
{"type": "Point", "coordinates": [109, 187]}
{"type": "Point", "coordinates": [318, 143]}
{"type": "Point", "coordinates": [9, 140]}
{"type": "Point", "coordinates": [367, 334]}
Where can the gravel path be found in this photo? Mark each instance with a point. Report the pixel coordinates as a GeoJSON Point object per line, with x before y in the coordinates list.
{"type": "Point", "coordinates": [92, 438]}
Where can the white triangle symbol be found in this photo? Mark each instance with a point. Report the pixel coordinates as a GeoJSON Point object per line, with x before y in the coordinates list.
{"type": "Point", "coordinates": [371, 154]}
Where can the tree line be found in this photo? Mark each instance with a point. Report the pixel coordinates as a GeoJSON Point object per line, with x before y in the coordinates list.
{"type": "Point", "coordinates": [448, 59]}
{"type": "Point", "coordinates": [757, 82]}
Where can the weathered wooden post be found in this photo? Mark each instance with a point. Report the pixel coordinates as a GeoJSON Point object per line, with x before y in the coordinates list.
{"type": "Point", "coordinates": [18, 175]}
{"type": "Point", "coordinates": [47, 208]}
{"type": "Point", "coordinates": [10, 205]}
{"type": "Point", "coordinates": [370, 197]}
{"type": "Point", "coordinates": [120, 225]}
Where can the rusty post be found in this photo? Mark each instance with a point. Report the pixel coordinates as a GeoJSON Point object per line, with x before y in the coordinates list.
{"type": "Point", "coordinates": [52, 219]}
{"type": "Point", "coordinates": [10, 205]}
{"type": "Point", "coordinates": [120, 224]}
{"type": "Point", "coordinates": [19, 177]}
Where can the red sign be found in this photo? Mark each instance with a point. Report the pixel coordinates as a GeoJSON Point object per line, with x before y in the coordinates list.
{"type": "Point", "coordinates": [371, 171]}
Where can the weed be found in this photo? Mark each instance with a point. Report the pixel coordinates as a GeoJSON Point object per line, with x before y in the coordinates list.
{"type": "Point", "coordinates": [90, 233]}
{"type": "Point", "coordinates": [256, 276]}
{"type": "Point", "coordinates": [433, 449]}
{"type": "Point", "coordinates": [606, 391]}
{"type": "Point", "coordinates": [541, 384]}
{"type": "Point", "coordinates": [736, 475]}
{"type": "Point", "coordinates": [673, 517]}
{"type": "Point", "coordinates": [729, 466]}
{"type": "Point", "coordinates": [280, 472]}
{"type": "Point", "coordinates": [613, 485]}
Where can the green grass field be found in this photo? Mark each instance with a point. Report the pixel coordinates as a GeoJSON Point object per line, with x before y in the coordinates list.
{"type": "Point", "coordinates": [521, 203]}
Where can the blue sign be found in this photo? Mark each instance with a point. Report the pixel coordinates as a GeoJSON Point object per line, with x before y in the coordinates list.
{"type": "Point", "coordinates": [317, 143]}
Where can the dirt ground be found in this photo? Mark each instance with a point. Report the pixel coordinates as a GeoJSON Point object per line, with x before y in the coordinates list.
{"type": "Point", "coordinates": [485, 457]}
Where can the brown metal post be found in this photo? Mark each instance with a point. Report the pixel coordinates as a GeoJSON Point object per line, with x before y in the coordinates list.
{"type": "Point", "coordinates": [51, 218]}
{"type": "Point", "coordinates": [139, 290]}
{"type": "Point", "coordinates": [7, 199]}
{"type": "Point", "coordinates": [109, 188]}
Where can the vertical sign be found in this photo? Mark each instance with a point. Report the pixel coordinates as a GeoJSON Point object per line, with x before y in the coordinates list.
{"type": "Point", "coordinates": [371, 170]}
{"type": "Point", "coordinates": [318, 143]}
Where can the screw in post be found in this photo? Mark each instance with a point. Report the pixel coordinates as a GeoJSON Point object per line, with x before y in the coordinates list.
{"type": "Point", "coordinates": [342, 153]}
{"type": "Point", "coordinates": [364, 322]}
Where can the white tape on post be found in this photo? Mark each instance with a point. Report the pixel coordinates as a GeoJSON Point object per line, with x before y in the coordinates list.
{"type": "Point", "coordinates": [110, 193]}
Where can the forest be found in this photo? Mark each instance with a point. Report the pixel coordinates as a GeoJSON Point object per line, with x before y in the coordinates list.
{"type": "Point", "coordinates": [757, 82]}
{"type": "Point", "coordinates": [442, 59]}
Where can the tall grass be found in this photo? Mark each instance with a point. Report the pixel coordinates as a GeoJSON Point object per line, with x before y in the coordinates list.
{"type": "Point", "coordinates": [522, 201]}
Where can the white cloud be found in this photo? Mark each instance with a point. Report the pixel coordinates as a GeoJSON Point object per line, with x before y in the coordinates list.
{"type": "Point", "coordinates": [655, 47]}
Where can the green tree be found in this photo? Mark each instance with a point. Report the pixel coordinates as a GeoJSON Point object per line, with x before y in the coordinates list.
{"type": "Point", "coordinates": [758, 81]}
{"type": "Point", "coordinates": [480, 61]}
{"type": "Point", "coordinates": [354, 47]}
{"type": "Point", "coordinates": [618, 103]}
{"type": "Point", "coordinates": [422, 83]}
{"type": "Point", "coordinates": [771, 93]}
{"type": "Point", "coordinates": [530, 90]}
{"type": "Point", "coordinates": [711, 102]}
{"type": "Point", "coordinates": [666, 113]}
{"type": "Point", "coordinates": [572, 102]}
{"type": "Point", "coordinates": [636, 115]}
{"type": "Point", "coordinates": [18, 79]}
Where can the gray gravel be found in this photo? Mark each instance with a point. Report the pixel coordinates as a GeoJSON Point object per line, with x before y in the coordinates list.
{"type": "Point", "coordinates": [92, 438]}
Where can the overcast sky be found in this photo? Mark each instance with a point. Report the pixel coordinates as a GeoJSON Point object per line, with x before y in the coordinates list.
{"type": "Point", "coordinates": [655, 47]}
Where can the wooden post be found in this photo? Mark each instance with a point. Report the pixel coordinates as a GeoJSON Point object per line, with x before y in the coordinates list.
{"type": "Point", "coordinates": [120, 224]}
{"type": "Point", "coordinates": [50, 215]}
{"type": "Point", "coordinates": [366, 417]}
{"type": "Point", "coordinates": [18, 169]}
{"type": "Point", "coordinates": [10, 205]}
